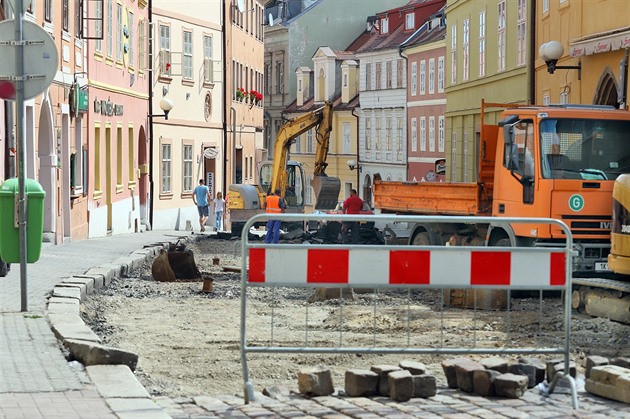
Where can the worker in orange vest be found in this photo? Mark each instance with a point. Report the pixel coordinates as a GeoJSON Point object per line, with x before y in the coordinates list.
{"type": "Point", "coordinates": [274, 204]}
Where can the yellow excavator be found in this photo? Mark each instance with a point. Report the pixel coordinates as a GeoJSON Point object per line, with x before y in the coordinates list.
{"type": "Point", "coordinates": [245, 200]}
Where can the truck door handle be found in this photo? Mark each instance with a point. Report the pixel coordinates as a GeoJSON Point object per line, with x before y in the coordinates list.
{"type": "Point", "coordinates": [501, 208]}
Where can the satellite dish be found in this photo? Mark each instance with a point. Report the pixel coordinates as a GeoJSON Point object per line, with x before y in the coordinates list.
{"type": "Point", "coordinates": [270, 19]}
{"type": "Point", "coordinates": [240, 4]}
{"type": "Point", "coordinates": [40, 59]}
{"type": "Point", "coordinates": [210, 153]}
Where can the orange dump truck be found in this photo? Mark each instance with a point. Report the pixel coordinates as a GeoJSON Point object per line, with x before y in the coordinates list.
{"type": "Point", "coordinates": [556, 162]}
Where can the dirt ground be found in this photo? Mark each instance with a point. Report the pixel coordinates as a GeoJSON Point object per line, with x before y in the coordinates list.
{"type": "Point", "coordinates": [188, 341]}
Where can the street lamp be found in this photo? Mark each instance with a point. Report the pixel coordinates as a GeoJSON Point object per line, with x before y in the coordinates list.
{"type": "Point", "coordinates": [352, 164]}
{"type": "Point", "coordinates": [166, 105]}
{"type": "Point", "coordinates": [551, 52]}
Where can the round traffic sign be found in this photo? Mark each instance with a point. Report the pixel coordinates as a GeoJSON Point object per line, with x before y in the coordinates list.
{"type": "Point", "coordinates": [576, 202]}
{"type": "Point", "coordinates": [40, 60]}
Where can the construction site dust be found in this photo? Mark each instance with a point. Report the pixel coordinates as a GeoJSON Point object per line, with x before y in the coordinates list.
{"type": "Point", "coordinates": [187, 332]}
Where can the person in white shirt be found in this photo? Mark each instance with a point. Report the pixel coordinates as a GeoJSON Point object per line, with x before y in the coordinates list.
{"type": "Point", "coordinates": [218, 205]}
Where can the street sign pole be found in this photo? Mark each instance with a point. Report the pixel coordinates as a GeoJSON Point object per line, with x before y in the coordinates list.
{"type": "Point", "coordinates": [21, 146]}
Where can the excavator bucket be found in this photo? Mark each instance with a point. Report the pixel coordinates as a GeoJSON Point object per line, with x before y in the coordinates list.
{"type": "Point", "coordinates": [326, 191]}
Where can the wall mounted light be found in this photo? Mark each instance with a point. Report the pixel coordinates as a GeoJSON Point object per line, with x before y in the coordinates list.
{"type": "Point", "coordinates": [166, 105]}
{"type": "Point", "coordinates": [352, 164]}
{"type": "Point", "coordinates": [551, 52]}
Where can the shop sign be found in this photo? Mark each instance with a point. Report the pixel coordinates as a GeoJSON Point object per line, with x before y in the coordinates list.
{"type": "Point", "coordinates": [107, 108]}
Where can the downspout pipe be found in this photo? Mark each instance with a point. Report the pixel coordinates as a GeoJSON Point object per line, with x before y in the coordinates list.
{"type": "Point", "coordinates": [149, 218]}
{"type": "Point", "coordinates": [357, 168]}
{"type": "Point", "coordinates": [225, 99]}
{"type": "Point", "coordinates": [532, 56]}
{"type": "Point", "coordinates": [404, 57]}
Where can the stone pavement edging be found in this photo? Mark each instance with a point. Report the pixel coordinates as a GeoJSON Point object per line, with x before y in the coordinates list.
{"type": "Point", "coordinates": [109, 369]}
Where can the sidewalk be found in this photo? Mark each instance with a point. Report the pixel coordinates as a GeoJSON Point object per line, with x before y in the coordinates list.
{"type": "Point", "coordinates": [36, 381]}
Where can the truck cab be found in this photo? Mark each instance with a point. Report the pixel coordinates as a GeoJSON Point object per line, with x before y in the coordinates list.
{"type": "Point", "coordinates": [560, 162]}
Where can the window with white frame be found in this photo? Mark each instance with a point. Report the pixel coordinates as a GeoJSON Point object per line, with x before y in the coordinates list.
{"type": "Point", "coordinates": [521, 29]}
{"type": "Point", "coordinates": [432, 75]}
{"type": "Point", "coordinates": [98, 13]}
{"type": "Point", "coordinates": [399, 74]}
{"type": "Point", "coordinates": [454, 54]}
{"type": "Point", "coordinates": [110, 27]}
{"type": "Point", "coordinates": [65, 16]}
{"type": "Point", "coordinates": [501, 32]}
{"type": "Point", "coordinates": [432, 133]}
{"type": "Point", "coordinates": [165, 185]}
{"type": "Point", "coordinates": [384, 25]}
{"type": "Point", "coordinates": [131, 50]}
{"type": "Point", "coordinates": [423, 76]}
{"type": "Point", "coordinates": [378, 133]}
{"type": "Point", "coordinates": [187, 59]}
{"type": "Point", "coordinates": [414, 78]}
{"type": "Point", "coordinates": [297, 145]}
{"type": "Point", "coordinates": [545, 6]}
{"type": "Point", "coordinates": [409, 21]}
{"type": "Point", "coordinates": [399, 135]}
{"type": "Point", "coordinates": [48, 10]}
{"type": "Point", "coordinates": [441, 133]}
{"type": "Point", "coordinates": [368, 133]}
{"type": "Point", "coordinates": [465, 49]}
{"type": "Point", "coordinates": [465, 157]}
{"type": "Point", "coordinates": [309, 141]}
{"type": "Point", "coordinates": [388, 134]}
{"type": "Point", "coordinates": [368, 76]}
{"type": "Point", "coordinates": [564, 97]}
{"type": "Point", "coordinates": [414, 134]}
{"type": "Point", "coordinates": [423, 134]}
{"type": "Point", "coordinates": [379, 67]}
{"type": "Point", "coordinates": [441, 74]}
{"type": "Point", "coordinates": [546, 99]}
{"type": "Point", "coordinates": [454, 157]}
{"type": "Point", "coordinates": [119, 32]}
{"type": "Point", "coordinates": [482, 43]}
{"type": "Point", "coordinates": [346, 130]}
{"type": "Point", "coordinates": [187, 168]}
{"type": "Point", "coordinates": [388, 74]}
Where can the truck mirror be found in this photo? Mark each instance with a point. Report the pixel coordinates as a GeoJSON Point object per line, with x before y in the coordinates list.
{"type": "Point", "coordinates": [508, 134]}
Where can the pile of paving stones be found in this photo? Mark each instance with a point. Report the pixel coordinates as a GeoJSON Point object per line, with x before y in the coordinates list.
{"type": "Point", "coordinates": [487, 377]}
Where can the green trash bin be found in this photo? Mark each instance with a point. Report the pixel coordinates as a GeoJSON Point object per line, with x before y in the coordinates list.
{"type": "Point", "coordinates": [9, 227]}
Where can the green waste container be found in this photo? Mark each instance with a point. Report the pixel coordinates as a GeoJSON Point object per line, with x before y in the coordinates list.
{"type": "Point", "coordinates": [9, 227]}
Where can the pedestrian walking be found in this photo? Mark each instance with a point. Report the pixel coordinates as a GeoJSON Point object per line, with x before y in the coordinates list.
{"type": "Point", "coordinates": [352, 205]}
{"type": "Point", "coordinates": [218, 206]}
{"type": "Point", "coordinates": [201, 197]}
{"type": "Point", "coordinates": [274, 204]}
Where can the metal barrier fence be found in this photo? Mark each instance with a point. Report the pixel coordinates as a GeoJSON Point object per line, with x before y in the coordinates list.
{"type": "Point", "coordinates": [404, 271]}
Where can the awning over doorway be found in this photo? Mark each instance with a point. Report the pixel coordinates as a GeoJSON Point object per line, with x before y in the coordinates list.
{"type": "Point", "coordinates": [601, 42]}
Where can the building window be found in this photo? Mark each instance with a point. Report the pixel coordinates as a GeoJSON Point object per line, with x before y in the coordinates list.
{"type": "Point", "coordinates": [454, 157]}
{"type": "Point", "coordinates": [297, 145]}
{"type": "Point", "coordinates": [131, 51]}
{"type": "Point", "coordinates": [399, 136]}
{"type": "Point", "coordinates": [423, 76]}
{"type": "Point", "coordinates": [409, 21]}
{"type": "Point", "coordinates": [453, 54]}
{"type": "Point", "coordinates": [378, 133]}
{"type": "Point", "coordinates": [165, 184]}
{"type": "Point", "coordinates": [432, 133]}
{"type": "Point", "coordinates": [119, 34]}
{"type": "Point", "coordinates": [384, 25]}
{"type": "Point", "coordinates": [131, 157]}
{"type": "Point", "coordinates": [368, 76]}
{"type": "Point", "coordinates": [546, 99]}
{"type": "Point", "coordinates": [187, 168]}
{"type": "Point", "coordinates": [521, 29]}
{"type": "Point", "coordinates": [110, 27]}
{"type": "Point", "coordinates": [482, 44]}
{"type": "Point", "coordinates": [414, 78]}
{"type": "Point", "coordinates": [346, 138]}
{"type": "Point", "coordinates": [368, 133]}
{"type": "Point", "coordinates": [98, 157]}
{"type": "Point", "coordinates": [501, 47]}
{"type": "Point", "coordinates": [187, 63]}
{"type": "Point", "coordinates": [465, 157]}
{"type": "Point", "coordinates": [399, 74]}
{"type": "Point", "coordinates": [345, 82]}
{"type": "Point", "coordinates": [48, 11]}
{"type": "Point", "coordinates": [388, 134]}
{"type": "Point", "coordinates": [142, 50]}
{"type": "Point", "coordinates": [165, 48]}
{"type": "Point", "coordinates": [78, 167]}
{"type": "Point", "coordinates": [309, 141]}
{"type": "Point", "coordinates": [98, 45]}
{"type": "Point", "coordinates": [119, 156]}
{"type": "Point", "coordinates": [545, 6]}
{"type": "Point", "coordinates": [267, 78]}
{"type": "Point", "coordinates": [379, 85]}
{"type": "Point", "coordinates": [388, 74]}
{"type": "Point", "coordinates": [423, 134]}
{"type": "Point", "coordinates": [65, 18]}
{"type": "Point", "coordinates": [465, 49]}
{"type": "Point", "coordinates": [279, 77]}
{"type": "Point", "coordinates": [432, 75]}
{"type": "Point", "coordinates": [441, 134]}
{"type": "Point", "coordinates": [440, 74]}
{"type": "Point", "coordinates": [414, 134]}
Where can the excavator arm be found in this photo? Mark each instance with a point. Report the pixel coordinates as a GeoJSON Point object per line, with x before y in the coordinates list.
{"type": "Point", "coordinates": [325, 187]}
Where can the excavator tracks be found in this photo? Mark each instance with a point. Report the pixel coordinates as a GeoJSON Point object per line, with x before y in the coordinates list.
{"type": "Point", "coordinates": [602, 297]}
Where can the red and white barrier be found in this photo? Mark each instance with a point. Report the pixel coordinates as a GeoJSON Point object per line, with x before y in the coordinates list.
{"type": "Point", "coordinates": [444, 268]}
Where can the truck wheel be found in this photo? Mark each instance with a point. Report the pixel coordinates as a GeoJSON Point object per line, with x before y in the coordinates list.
{"type": "Point", "coordinates": [505, 242]}
{"type": "Point", "coordinates": [421, 239]}
{"type": "Point", "coordinates": [4, 268]}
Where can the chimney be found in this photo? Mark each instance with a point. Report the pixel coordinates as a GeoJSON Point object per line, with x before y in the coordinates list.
{"type": "Point", "coordinates": [303, 84]}
{"type": "Point", "coordinates": [349, 80]}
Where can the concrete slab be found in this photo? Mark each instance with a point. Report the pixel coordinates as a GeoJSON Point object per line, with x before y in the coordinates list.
{"type": "Point", "coordinates": [116, 381]}
{"type": "Point", "coordinates": [139, 408]}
